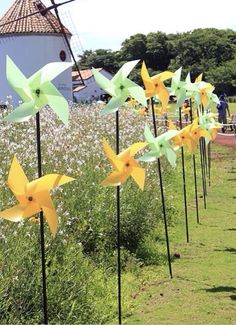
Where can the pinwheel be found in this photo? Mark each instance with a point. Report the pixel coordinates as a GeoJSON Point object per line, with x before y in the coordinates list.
{"type": "Point", "coordinates": [120, 88]}
{"type": "Point", "coordinates": [178, 88]}
{"type": "Point", "coordinates": [155, 86]}
{"type": "Point", "coordinates": [196, 132]}
{"type": "Point", "coordinates": [34, 196]}
{"type": "Point", "coordinates": [204, 91]}
{"type": "Point", "coordinates": [191, 87]}
{"type": "Point", "coordinates": [207, 122]}
{"type": "Point", "coordinates": [37, 91]}
{"type": "Point", "coordinates": [160, 146]}
{"type": "Point", "coordinates": [124, 165]}
{"type": "Point", "coordinates": [184, 138]}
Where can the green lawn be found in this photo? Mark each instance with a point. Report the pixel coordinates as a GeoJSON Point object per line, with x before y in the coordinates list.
{"type": "Point", "coordinates": [203, 289]}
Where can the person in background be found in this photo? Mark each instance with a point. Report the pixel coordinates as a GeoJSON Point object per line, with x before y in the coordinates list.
{"type": "Point", "coordinates": [223, 108]}
{"type": "Point", "coordinates": [185, 110]}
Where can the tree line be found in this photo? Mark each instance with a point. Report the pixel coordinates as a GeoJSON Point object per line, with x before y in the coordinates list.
{"type": "Point", "coordinates": [210, 50]}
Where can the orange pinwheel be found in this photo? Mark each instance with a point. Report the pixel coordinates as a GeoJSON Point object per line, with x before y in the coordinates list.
{"type": "Point", "coordinates": [124, 165]}
{"type": "Point", "coordinates": [155, 86]}
{"type": "Point", "coordinates": [34, 196]}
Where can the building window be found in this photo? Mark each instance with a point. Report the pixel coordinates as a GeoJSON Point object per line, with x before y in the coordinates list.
{"type": "Point", "coordinates": [62, 55]}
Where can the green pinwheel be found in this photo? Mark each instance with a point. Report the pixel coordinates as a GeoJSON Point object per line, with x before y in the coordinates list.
{"type": "Point", "coordinates": [120, 88]}
{"type": "Point", "coordinates": [37, 91]}
{"type": "Point", "coordinates": [160, 146]}
{"type": "Point", "coordinates": [191, 87]}
{"type": "Point", "coordinates": [178, 88]}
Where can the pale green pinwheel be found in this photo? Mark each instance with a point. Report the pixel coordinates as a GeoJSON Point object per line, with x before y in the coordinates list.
{"type": "Point", "coordinates": [191, 87]}
{"type": "Point", "coordinates": [120, 88]}
{"type": "Point", "coordinates": [207, 122]}
{"type": "Point", "coordinates": [178, 88]}
{"type": "Point", "coordinates": [212, 99]}
{"type": "Point", "coordinates": [160, 146]}
{"type": "Point", "coordinates": [37, 91]}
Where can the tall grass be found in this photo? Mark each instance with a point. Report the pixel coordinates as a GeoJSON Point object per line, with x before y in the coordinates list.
{"type": "Point", "coordinates": [81, 261]}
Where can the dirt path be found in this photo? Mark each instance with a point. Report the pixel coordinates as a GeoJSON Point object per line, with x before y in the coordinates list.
{"type": "Point", "coordinates": [226, 139]}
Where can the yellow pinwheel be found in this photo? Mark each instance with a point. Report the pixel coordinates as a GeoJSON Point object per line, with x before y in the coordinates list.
{"type": "Point", "coordinates": [204, 91]}
{"type": "Point", "coordinates": [34, 196]}
{"type": "Point", "coordinates": [183, 138]}
{"type": "Point", "coordinates": [155, 86]}
{"type": "Point", "coordinates": [197, 132]}
{"type": "Point", "coordinates": [124, 165]}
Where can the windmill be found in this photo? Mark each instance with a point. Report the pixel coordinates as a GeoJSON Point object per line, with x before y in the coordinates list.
{"type": "Point", "coordinates": [21, 31]}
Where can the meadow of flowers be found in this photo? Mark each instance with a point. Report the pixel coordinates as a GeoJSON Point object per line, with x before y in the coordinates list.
{"type": "Point", "coordinates": [81, 261]}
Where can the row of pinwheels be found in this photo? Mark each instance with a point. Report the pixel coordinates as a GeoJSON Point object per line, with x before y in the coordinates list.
{"type": "Point", "coordinates": [166, 144]}
{"type": "Point", "coordinates": [38, 91]}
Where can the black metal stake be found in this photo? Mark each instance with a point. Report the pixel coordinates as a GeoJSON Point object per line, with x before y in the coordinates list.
{"type": "Point", "coordinates": [194, 172]}
{"type": "Point", "coordinates": [184, 183]}
{"type": "Point", "coordinates": [44, 282]}
{"type": "Point", "coordinates": [118, 228]}
{"type": "Point", "coordinates": [205, 162]}
{"type": "Point", "coordinates": [162, 196]}
{"type": "Point", "coordinates": [209, 163]}
{"type": "Point", "coordinates": [203, 175]}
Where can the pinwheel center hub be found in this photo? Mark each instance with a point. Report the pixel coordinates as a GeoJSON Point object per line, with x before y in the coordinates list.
{"type": "Point", "coordinates": [161, 145]}
{"type": "Point", "coordinates": [156, 85]}
{"type": "Point", "coordinates": [183, 137]}
{"type": "Point", "coordinates": [37, 92]}
{"type": "Point", "coordinates": [122, 87]}
{"type": "Point", "coordinates": [127, 164]}
{"type": "Point", "coordinates": [30, 198]}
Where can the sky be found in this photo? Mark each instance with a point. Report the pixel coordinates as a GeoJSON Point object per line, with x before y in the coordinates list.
{"type": "Point", "coordinates": [105, 24]}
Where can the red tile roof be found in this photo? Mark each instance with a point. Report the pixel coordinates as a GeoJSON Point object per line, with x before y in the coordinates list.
{"type": "Point", "coordinates": [86, 74]}
{"type": "Point", "coordinates": [37, 23]}
{"type": "Point", "coordinates": [78, 88]}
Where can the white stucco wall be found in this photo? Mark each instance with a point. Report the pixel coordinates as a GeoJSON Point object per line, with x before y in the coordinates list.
{"type": "Point", "coordinates": [92, 88]}
{"type": "Point", "coordinates": [30, 53]}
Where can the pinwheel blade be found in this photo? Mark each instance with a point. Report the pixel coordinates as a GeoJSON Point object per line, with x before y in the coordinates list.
{"type": "Point", "coordinates": [14, 214]}
{"type": "Point", "coordinates": [148, 134]}
{"type": "Point", "coordinates": [136, 92]}
{"type": "Point", "coordinates": [57, 102]}
{"type": "Point", "coordinates": [150, 156]}
{"type": "Point", "coordinates": [45, 202]}
{"type": "Point", "coordinates": [116, 163]}
{"type": "Point", "coordinates": [116, 178]}
{"type": "Point", "coordinates": [22, 113]}
{"type": "Point", "coordinates": [165, 75]}
{"type": "Point", "coordinates": [49, 72]}
{"type": "Point", "coordinates": [16, 178]}
{"type": "Point", "coordinates": [124, 71]}
{"type": "Point", "coordinates": [138, 175]}
{"type": "Point", "coordinates": [134, 148]}
{"type": "Point", "coordinates": [17, 80]}
{"type": "Point", "coordinates": [114, 103]}
{"type": "Point", "coordinates": [52, 219]}
{"type": "Point", "coordinates": [48, 182]}
{"type": "Point", "coordinates": [103, 82]}
{"type": "Point", "coordinates": [171, 156]}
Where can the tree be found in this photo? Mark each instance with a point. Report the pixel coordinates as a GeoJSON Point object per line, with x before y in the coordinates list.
{"type": "Point", "coordinates": [133, 48]}
{"type": "Point", "coordinates": [99, 59]}
{"type": "Point", "coordinates": [157, 53]}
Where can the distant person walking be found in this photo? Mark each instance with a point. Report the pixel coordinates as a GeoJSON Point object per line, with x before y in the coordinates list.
{"type": "Point", "coordinates": [223, 108]}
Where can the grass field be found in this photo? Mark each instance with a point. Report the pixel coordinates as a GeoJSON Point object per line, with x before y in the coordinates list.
{"type": "Point", "coordinates": [203, 289]}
